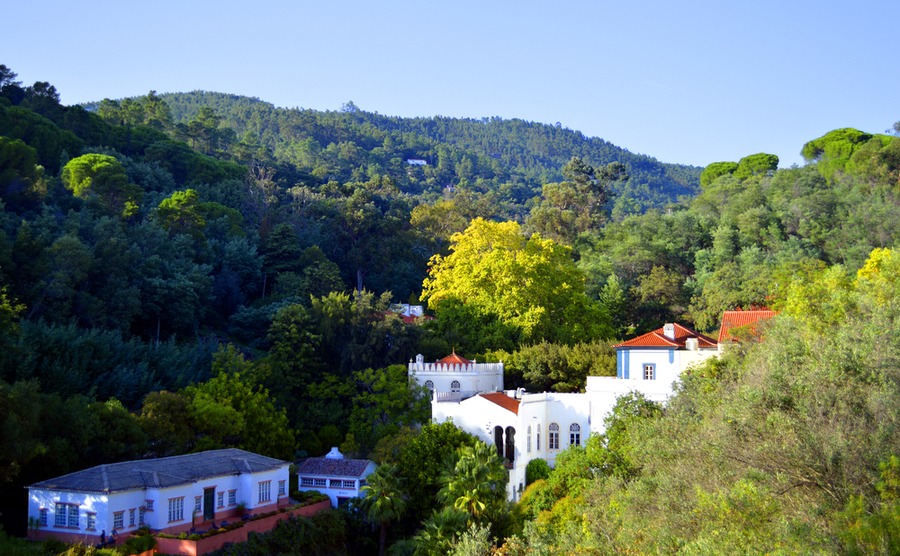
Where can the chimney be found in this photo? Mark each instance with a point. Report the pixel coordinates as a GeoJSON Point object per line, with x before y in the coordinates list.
{"type": "Point", "coordinates": [334, 454]}
{"type": "Point", "coordinates": [669, 330]}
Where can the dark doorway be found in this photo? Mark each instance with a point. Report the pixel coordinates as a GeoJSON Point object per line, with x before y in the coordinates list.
{"type": "Point", "coordinates": [209, 501]}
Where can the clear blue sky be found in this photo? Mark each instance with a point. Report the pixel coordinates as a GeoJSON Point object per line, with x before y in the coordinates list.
{"type": "Point", "coordinates": [691, 82]}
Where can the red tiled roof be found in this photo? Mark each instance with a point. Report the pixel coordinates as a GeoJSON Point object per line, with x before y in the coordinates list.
{"type": "Point", "coordinates": [504, 401]}
{"type": "Point", "coordinates": [454, 359]}
{"type": "Point", "coordinates": [657, 338]}
{"type": "Point", "coordinates": [734, 319]}
{"type": "Point", "coordinates": [412, 319]}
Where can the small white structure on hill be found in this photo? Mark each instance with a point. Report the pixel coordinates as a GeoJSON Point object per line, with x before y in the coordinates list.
{"type": "Point", "coordinates": [340, 478]}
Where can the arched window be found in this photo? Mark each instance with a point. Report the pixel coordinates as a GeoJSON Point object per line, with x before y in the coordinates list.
{"type": "Point", "coordinates": [575, 434]}
{"type": "Point", "coordinates": [553, 441]}
{"type": "Point", "coordinates": [498, 440]}
{"type": "Point", "coordinates": [429, 385]}
{"type": "Point", "coordinates": [528, 440]}
{"type": "Point", "coordinates": [510, 444]}
{"type": "Point", "coordinates": [538, 431]}
{"type": "Point", "coordinates": [454, 386]}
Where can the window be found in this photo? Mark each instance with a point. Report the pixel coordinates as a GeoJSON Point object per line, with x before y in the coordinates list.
{"type": "Point", "coordinates": [319, 482]}
{"type": "Point", "coordinates": [176, 509]}
{"type": "Point", "coordinates": [43, 517]}
{"type": "Point", "coordinates": [141, 512]}
{"type": "Point", "coordinates": [149, 505]}
{"type": "Point", "coordinates": [306, 481]}
{"type": "Point", "coordinates": [649, 371]}
{"type": "Point", "coordinates": [336, 483]}
{"type": "Point", "coordinates": [73, 515]}
{"type": "Point", "coordinates": [553, 441]}
{"type": "Point", "coordinates": [538, 437]}
{"type": "Point", "coordinates": [131, 514]}
{"type": "Point", "coordinates": [265, 491]}
{"type": "Point", "coordinates": [220, 499]}
{"type": "Point", "coordinates": [528, 440]}
{"type": "Point", "coordinates": [91, 521]}
{"type": "Point", "coordinates": [62, 512]}
{"type": "Point", "coordinates": [232, 497]}
{"type": "Point", "coordinates": [454, 386]}
{"type": "Point", "coordinates": [429, 385]}
{"type": "Point", "coordinates": [362, 483]}
{"type": "Point", "coordinates": [198, 504]}
{"type": "Point", "coordinates": [349, 484]}
{"type": "Point", "coordinates": [281, 488]}
{"type": "Point", "coordinates": [575, 434]}
{"type": "Point", "coordinates": [118, 520]}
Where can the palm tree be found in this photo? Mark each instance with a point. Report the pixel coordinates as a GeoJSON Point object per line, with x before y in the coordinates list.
{"type": "Point", "coordinates": [384, 500]}
{"type": "Point", "coordinates": [477, 484]}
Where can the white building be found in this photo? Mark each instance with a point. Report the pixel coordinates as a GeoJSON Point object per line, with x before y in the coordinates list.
{"type": "Point", "coordinates": [455, 377]}
{"type": "Point", "coordinates": [170, 495]}
{"type": "Point", "coordinates": [526, 426]}
{"type": "Point", "coordinates": [340, 478]}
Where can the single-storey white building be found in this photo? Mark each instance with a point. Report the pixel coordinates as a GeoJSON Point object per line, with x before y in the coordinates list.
{"type": "Point", "coordinates": [340, 478]}
{"type": "Point", "coordinates": [170, 494]}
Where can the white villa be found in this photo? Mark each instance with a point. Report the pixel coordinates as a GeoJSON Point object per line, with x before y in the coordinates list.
{"type": "Point", "coordinates": [170, 495]}
{"type": "Point", "coordinates": [525, 426]}
{"type": "Point", "coordinates": [341, 479]}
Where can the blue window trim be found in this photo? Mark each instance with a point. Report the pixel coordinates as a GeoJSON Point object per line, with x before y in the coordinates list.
{"type": "Point", "coordinates": [644, 365]}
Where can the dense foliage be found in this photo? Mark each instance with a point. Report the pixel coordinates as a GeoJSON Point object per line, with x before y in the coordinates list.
{"type": "Point", "coordinates": [179, 270]}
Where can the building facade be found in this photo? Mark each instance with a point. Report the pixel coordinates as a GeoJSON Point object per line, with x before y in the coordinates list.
{"type": "Point", "coordinates": [525, 426]}
{"type": "Point", "coordinates": [340, 478]}
{"type": "Point", "coordinates": [168, 495]}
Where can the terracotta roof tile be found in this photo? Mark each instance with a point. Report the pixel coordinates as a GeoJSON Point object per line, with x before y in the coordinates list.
{"type": "Point", "coordinates": [504, 401]}
{"type": "Point", "coordinates": [454, 359]}
{"type": "Point", "coordinates": [657, 338]}
{"type": "Point", "coordinates": [737, 318]}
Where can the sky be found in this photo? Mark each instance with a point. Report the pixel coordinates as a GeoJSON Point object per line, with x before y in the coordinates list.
{"type": "Point", "coordinates": [690, 82]}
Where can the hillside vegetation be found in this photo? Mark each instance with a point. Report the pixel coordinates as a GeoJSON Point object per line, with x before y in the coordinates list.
{"type": "Point", "coordinates": [189, 271]}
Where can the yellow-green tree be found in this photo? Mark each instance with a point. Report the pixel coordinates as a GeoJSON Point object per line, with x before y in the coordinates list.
{"type": "Point", "coordinates": [528, 284]}
{"type": "Point", "coordinates": [102, 178]}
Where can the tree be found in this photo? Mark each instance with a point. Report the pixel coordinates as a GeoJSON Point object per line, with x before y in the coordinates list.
{"type": "Point", "coordinates": [578, 204]}
{"type": "Point", "coordinates": [102, 177]}
{"type": "Point", "coordinates": [424, 459]}
{"type": "Point", "coordinates": [476, 484]}
{"type": "Point", "coordinates": [180, 213]}
{"type": "Point", "coordinates": [384, 501]}
{"type": "Point", "coordinates": [530, 284]}
{"type": "Point", "coordinates": [386, 400]}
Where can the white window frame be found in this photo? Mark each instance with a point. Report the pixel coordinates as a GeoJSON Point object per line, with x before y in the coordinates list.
{"type": "Point", "coordinates": [220, 499]}
{"type": "Point", "coordinates": [553, 437]}
{"type": "Point", "coordinates": [232, 497]}
{"type": "Point", "coordinates": [43, 514]}
{"type": "Point", "coordinates": [455, 386]}
{"type": "Point", "coordinates": [649, 371]}
{"type": "Point", "coordinates": [91, 521]}
{"type": "Point", "coordinates": [73, 516]}
{"type": "Point", "coordinates": [176, 509]}
{"type": "Point", "coordinates": [528, 441]}
{"type": "Point", "coordinates": [131, 515]}
{"type": "Point", "coordinates": [282, 488]}
{"type": "Point", "coordinates": [575, 434]}
{"type": "Point", "coordinates": [119, 520]}
{"type": "Point", "coordinates": [62, 515]}
{"type": "Point", "coordinates": [142, 512]}
{"type": "Point", "coordinates": [538, 438]}
{"type": "Point", "coordinates": [265, 491]}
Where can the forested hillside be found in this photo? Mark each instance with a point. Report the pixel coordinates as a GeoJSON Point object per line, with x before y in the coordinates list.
{"type": "Point", "coordinates": [510, 159]}
{"type": "Point", "coordinates": [190, 271]}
